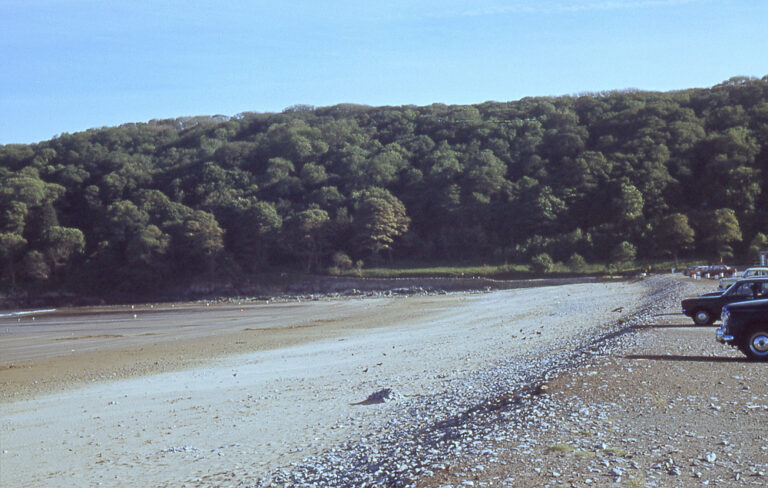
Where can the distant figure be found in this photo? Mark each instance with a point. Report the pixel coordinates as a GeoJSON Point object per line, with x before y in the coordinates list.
{"type": "Point", "coordinates": [756, 291]}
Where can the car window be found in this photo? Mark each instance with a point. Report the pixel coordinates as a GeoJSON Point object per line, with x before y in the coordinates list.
{"type": "Point", "coordinates": [756, 272]}
{"type": "Point", "coordinates": [750, 289]}
{"type": "Point", "coordinates": [743, 290]}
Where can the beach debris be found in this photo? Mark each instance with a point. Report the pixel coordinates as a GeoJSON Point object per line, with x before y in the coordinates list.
{"type": "Point", "coordinates": [381, 396]}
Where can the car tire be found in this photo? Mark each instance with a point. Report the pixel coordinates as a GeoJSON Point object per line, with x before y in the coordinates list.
{"type": "Point", "coordinates": [703, 317]}
{"type": "Point", "coordinates": [755, 344]}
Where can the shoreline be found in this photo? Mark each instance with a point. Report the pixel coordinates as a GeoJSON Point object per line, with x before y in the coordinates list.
{"type": "Point", "coordinates": [453, 362]}
{"type": "Point", "coordinates": [298, 287]}
{"type": "Point", "coordinates": [25, 377]}
{"type": "Point", "coordinates": [474, 412]}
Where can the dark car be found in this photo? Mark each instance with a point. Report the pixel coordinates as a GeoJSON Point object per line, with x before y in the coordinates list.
{"type": "Point", "coordinates": [745, 325]}
{"type": "Point", "coordinates": [705, 309]}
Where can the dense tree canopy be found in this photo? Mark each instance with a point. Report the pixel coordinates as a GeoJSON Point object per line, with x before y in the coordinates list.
{"type": "Point", "coordinates": [575, 178]}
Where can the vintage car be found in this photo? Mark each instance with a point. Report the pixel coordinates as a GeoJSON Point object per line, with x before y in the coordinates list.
{"type": "Point", "coordinates": [710, 270]}
{"type": "Point", "coordinates": [745, 326]}
{"type": "Point", "coordinates": [694, 270]}
{"type": "Point", "coordinates": [748, 273]}
{"type": "Point", "coordinates": [705, 309]}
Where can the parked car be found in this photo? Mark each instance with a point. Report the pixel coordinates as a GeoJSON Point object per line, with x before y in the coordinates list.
{"type": "Point", "coordinates": [745, 326]}
{"type": "Point", "coordinates": [721, 269]}
{"type": "Point", "coordinates": [712, 270]}
{"type": "Point", "coordinates": [748, 273]}
{"type": "Point", "coordinates": [693, 270]}
{"type": "Point", "coordinates": [705, 309]}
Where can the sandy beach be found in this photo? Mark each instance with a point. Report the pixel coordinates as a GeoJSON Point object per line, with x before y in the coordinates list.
{"type": "Point", "coordinates": [211, 395]}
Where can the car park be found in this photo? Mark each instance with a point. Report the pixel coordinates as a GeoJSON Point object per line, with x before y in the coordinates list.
{"type": "Point", "coordinates": [706, 309]}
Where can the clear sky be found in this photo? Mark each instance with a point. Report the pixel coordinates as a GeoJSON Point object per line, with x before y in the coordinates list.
{"type": "Point", "coordinates": [69, 65]}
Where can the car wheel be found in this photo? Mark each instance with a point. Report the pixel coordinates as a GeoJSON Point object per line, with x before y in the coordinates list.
{"type": "Point", "coordinates": [702, 317]}
{"type": "Point", "coordinates": [756, 344]}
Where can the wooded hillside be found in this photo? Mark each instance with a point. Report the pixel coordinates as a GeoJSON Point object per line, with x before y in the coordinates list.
{"type": "Point", "coordinates": [596, 177]}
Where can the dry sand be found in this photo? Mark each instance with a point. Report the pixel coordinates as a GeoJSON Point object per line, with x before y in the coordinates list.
{"type": "Point", "coordinates": [98, 397]}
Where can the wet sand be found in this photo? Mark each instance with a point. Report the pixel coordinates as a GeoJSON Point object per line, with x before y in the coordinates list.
{"type": "Point", "coordinates": [190, 391]}
{"type": "Point", "coordinates": [43, 352]}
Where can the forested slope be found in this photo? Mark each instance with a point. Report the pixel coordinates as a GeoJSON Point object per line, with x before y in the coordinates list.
{"type": "Point", "coordinates": [144, 206]}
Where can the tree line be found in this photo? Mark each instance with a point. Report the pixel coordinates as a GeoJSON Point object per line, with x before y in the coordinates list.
{"type": "Point", "coordinates": [583, 178]}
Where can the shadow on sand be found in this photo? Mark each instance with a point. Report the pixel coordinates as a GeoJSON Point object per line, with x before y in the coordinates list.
{"type": "Point", "coordinates": [670, 326]}
{"type": "Point", "coordinates": [676, 357]}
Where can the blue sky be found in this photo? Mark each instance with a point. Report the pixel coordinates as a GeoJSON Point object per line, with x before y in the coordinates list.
{"type": "Point", "coordinates": [69, 65]}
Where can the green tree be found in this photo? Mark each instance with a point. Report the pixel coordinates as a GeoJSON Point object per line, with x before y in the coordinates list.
{"type": "Point", "coordinates": [27, 188]}
{"type": "Point", "coordinates": [148, 247]}
{"type": "Point", "coordinates": [340, 262]}
{"type": "Point", "coordinates": [443, 163]}
{"type": "Point", "coordinates": [724, 230]}
{"type": "Point", "coordinates": [485, 175]}
{"type": "Point", "coordinates": [379, 218]}
{"type": "Point", "coordinates": [14, 217]}
{"type": "Point", "coordinates": [542, 263]}
{"type": "Point", "coordinates": [623, 253]}
{"type": "Point", "coordinates": [577, 262]}
{"type": "Point", "coordinates": [383, 167]}
{"type": "Point", "coordinates": [62, 244]}
{"type": "Point", "coordinates": [124, 220]}
{"type": "Point", "coordinates": [313, 175]}
{"type": "Point", "coordinates": [10, 246]}
{"type": "Point", "coordinates": [252, 230]}
{"type": "Point", "coordinates": [674, 235]}
{"type": "Point", "coordinates": [35, 268]}
{"type": "Point", "coordinates": [757, 244]}
{"type": "Point", "coordinates": [629, 202]}
{"type": "Point", "coordinates": [203, 238]}
{"type": "Point", "coordinates": [308, 231]}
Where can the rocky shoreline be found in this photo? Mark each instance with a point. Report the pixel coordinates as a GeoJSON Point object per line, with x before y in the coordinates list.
{"type": "Point", "coordinates": [296, 287]}
{"type": "Point", "coordinates": [667, 407]}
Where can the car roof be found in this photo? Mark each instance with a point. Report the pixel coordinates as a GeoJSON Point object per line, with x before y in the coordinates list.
{"type": "Point", "coordinates": [747, 303]}
{"type": "Point", "coordinates": [752, 278]}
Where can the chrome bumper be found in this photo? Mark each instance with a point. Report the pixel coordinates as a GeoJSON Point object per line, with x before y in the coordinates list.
{"type": "Point", "coordinates": [722, 337]}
